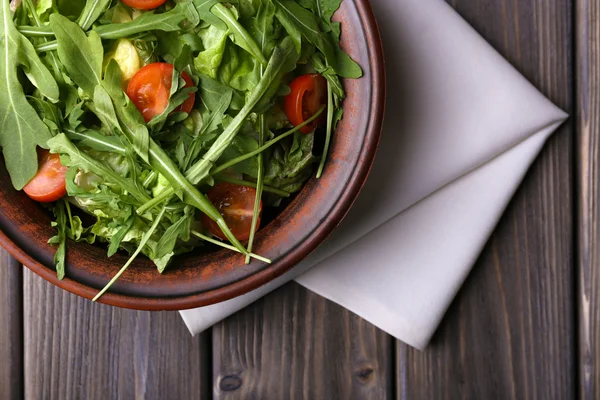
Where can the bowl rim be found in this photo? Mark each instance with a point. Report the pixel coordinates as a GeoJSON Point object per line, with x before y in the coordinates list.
{"type": "Point", "coordinates": [253, 281]}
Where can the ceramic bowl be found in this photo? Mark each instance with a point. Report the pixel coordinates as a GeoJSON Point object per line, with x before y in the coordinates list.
{"type": "Point", "coordinates": [202, 279]}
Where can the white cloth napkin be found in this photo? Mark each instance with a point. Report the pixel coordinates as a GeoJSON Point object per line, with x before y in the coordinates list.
{"type": "Point", "coordinates": [462, 127]}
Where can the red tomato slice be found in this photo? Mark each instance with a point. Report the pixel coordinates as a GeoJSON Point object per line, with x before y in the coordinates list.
{"type": "Point", "coordinates": [150, 88]}
{"type": "Point", "coordinates": [236, 205]}
{"type": "Point", "coordinates": [144, 4]}
{"type": "Point", "coordinates": [308, 94]}
{"type": "Point", "coordinates": [49, 184]}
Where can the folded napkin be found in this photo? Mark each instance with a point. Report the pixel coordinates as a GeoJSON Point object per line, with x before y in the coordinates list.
{"type": "Point", "coordinates": [462, 128]}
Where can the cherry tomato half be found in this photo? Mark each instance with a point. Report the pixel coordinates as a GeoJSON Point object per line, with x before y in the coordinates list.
{"type": "Point", "coordinates": [150, 89]}
{"type": "Point", "coordinates": [236, 205]}
{"type": "Point", "coordinates": [49, 183]}
{"type": "Point", "coordinates": [308, 94]}
{"type": "Point", "coordinates": [144, 4]}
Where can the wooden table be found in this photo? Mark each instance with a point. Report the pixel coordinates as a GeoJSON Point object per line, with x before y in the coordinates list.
{"type": "Point", "coordinates": [525, 325]}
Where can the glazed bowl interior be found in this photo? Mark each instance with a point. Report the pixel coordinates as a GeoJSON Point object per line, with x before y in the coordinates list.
{"type": "Point", "coordinates": [202, 279]}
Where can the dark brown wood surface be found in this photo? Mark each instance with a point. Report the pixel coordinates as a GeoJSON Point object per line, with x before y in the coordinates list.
{"type": "Point", "coordinates": [526, 325]}
{"type": "Point", "coordinates": [588, 190]}
{"type": "Point", "coordinates": [11, 327]}
{"type": "Point", "coordinates": [75, 349]}
{"type": "Point", "coordinates": [296, 344]}
{"type": "Point", "coordinates": [511, 331]}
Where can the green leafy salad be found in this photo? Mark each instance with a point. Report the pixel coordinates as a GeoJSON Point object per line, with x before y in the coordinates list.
{"type": "Point", "coordinates": [157, 126]}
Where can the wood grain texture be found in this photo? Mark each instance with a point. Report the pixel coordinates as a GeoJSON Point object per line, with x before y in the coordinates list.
{"type": "Point", "coordinates": [509, 334]}
{"type": "Point", "coordinates": [588, 172]}
{"type": "Point", "coordinates": [76, 349]}
{"type": "Point", "coordinates": [11, 324]}
{"type": "Point", "coordinates": [511, 331]}
{"type": "Point", "coordinates": [294, 344]}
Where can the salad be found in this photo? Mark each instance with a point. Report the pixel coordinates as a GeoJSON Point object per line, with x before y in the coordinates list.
{"type": "Point", "coordinates": [158, 126]}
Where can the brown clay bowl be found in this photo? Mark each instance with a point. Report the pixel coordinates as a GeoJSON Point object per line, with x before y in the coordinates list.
{"type": "Point", "coordinates": [203, 279]}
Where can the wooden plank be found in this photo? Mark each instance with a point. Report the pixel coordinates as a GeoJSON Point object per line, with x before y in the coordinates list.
{"type": "Point", "coordinates": [588, 204]}
{"type": "Point", "coordinates": [511, 331]}
{"type": "Point", "coordinates": [11, 327]}
{"type": "Point", "coordinates": [75, 349]}
{"type": "Point", "coordinates": [295, 344]}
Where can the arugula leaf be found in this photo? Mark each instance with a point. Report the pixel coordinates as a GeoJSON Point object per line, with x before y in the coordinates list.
{"type": "Point", "coordinates": [201, 170]}
{"type": "Point", "coordinates": [170, 45]}
{"type": "Point", "coordinates": [60, 239]}
{"type": "Point", "coordinates": [281, 56]}
{"type": "Point", "coordinates": [241, 37]}
{"type": "Point", "coordinates": [48, 112]}
{"type": "Point", "coordinates": [143, 242]}
{"type": "Point", "coordinates": [290, 26]}
{"type": "Point", "coordinates": [178, 230]}
{"type": "Point", "coordinates": [169, 21]}
{"type": "Point", "coordinates": [262, 27]}
{"type": "Point", "coordinates": [203, 9]}
{"type": "Point", "coordinates": [70, 8]}
{"type": "Point", "coordinates": [213, 93]}
{"type": "Point", "coordinates": [296, 18]}
{"type": "Point", "coordinates": [97, 141]}
{"type": "Point", "coordinates": [260, 171]}
{"type": "Point", "coordinates": [291, 163]}
{"type": "Point", "coordinates": [99, 201]}
{"type": "Point", "coordinates": [322, 8]}
{"type": "Point", "coordinates": [116, 239]}
{"type": "Point", "coordinates": [21, 129]}
{"type": "Point", "coordinates": [71, 156]}
{"type": "Point", "coordinates": [240, 146]}
{"type": "Point", "coordinates": [266, 146]}
{"type": "Point", "coordinates": [129, 121]}
{"type": "Point", "coordinates": [91, 12]}
{"type": "Point", "coordinates": [81, 55]}
{"type": "Point", "coordinates": [103, 107]}
{"type": "Point", "coordinates": [329, 74]}
{"type": "Point", "coordinates": [216, 99]}
{"type": "Point", "coordinates": [160, 160]}
{"type": "Point", "coordinates": [328, 132]}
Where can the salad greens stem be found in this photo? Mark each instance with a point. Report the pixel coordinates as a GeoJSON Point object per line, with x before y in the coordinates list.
{"type": "Point", "coordinates": [330, 110]}
{"type": "Point", "coordinates": [192, 196]}
{"type": "Point", "coordinates": [38, 23]}
{"type": "Point", "coordinates": [163, 196]}
{"type": "Point", "coordinates": [259, 185]}
{"type": "Point", "coordinates": [201, 169]}
{"type": "Point", "coordinates": [91, 12]}
{"type": "Point", "coordinates": [170, 191]}
{"type": "Point", "coordinates": [241, 182]}
{"type": "Point", "coordinates": [35, 31]}
{"type": "Point", "coordinates": [167, 22]}
{"type": "Point", "coordinates": [227, 246]}
{"type": "Point", "coordinates": [264, 147]}
{"type": "Point", "coordinates": [143, 242]}
{"type": "Point", "coordinates": [83, 136]}
{"type": "Point", "coordinates": [69, 213]}
{"type": "Point", "coordinates": [48, 46]}
{"type": "Point", "coordinates": [149, 179]}
{"type": "Point", "coordinates": [60, 144]}
{"type": "Point", "coordinates": [160, 160]}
